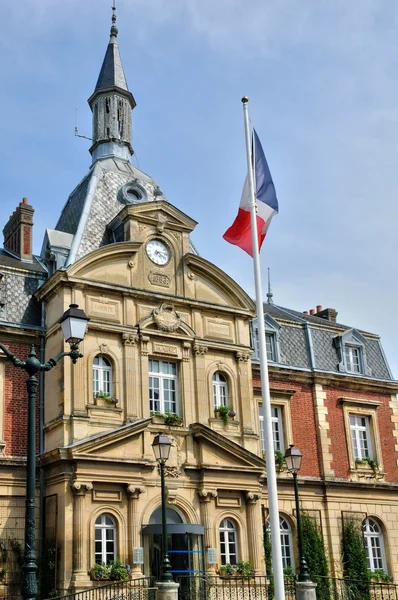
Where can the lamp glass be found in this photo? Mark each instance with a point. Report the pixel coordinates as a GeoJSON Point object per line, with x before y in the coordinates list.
{"type": "Point", "coordinates": [161, 447]}
{"type": "Point", "coordinates": [293, 458]}
{"type": "Point", "coordinates": [74, 323]}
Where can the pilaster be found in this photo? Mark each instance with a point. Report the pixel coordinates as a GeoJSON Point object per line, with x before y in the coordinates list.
{"type": "Point", "coordinates": [79, 563]}
{"type": "Point", "coordinates": [131, 388]}
{"type": "Point", "coordinates": [205, 498]}
{"type": "Point", "coordinates": [255, 547]}
{"type": "Point", "coordinates": [321, 412]}
{"type": "Point", "coordinates": [133, 533]}
{"type": "Point", "coordinates": [202, 407]}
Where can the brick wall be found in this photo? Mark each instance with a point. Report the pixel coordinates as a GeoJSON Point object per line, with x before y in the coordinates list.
{"type": "Point", "coordinates": [15, 404]}
{"type": "Point", "coordinates": [340, 462]}
{"type": "Point", "coordinates": [303, 422]}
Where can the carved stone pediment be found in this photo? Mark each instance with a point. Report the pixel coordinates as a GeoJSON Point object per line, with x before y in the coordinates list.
{"type": "Point", "coordinates": [166, 318]}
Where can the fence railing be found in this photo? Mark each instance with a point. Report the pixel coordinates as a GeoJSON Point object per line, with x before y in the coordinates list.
{"type": "Point", "coordinates": [208, 587]}
{"type": "Point", "coordinates": [135, 589]}
{"type": "Point", "coordinates": [334, 588]}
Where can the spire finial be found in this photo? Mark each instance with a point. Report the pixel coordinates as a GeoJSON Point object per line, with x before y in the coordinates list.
{"type": "Point", "coordinates": [114, 29]}
{"type": "Point", "coordinates": [270, 295]}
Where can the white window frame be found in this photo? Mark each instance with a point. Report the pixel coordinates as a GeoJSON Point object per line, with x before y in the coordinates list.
{"type": "Point", "coordinates": [353, 359]}
{"type": "Point", "coordinates": [277, 427]}
{"type": "Point", "coordinates": [102, 375]}
{"type": "Point", "coordinates": [374, 545]}
{"type": "Point", "coordinates": [286, 536]}
{"type": "Point", "coordinates": [220, 389]}
{"type": "Point", "coordinates": [103, 527]}
{"type": "Point", "coordinates": [360, 433]}
{"type": "Point", "coordinates": [228, 526]}
{"type": "Point", "coordinates": [165, 380]}
{"type": "Point", "coordinates": [270, 343]}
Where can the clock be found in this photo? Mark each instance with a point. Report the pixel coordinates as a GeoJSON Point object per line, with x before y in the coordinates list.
{"type": "Point", "coordinates": [158, 252]}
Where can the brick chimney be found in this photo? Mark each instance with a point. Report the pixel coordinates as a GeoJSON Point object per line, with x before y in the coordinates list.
{"type": "Point", "coordinates": [330, 314]}
{"type": "Point", "coordinates": [18, 232]}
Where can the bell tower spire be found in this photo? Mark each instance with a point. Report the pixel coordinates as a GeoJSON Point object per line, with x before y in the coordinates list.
{"type": "Point", "coordinates": [111, 105]}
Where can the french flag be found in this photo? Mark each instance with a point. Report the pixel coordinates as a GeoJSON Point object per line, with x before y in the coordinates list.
{"type": "Point", "coordinates": [240, 233]}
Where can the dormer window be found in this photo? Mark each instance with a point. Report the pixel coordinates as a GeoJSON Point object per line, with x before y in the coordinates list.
{"type": "Point", "coordinates": [272, 331]}
{"type": "Point", "coordinates": [351, 352]}
{"type": "Point", "coordinates": [353, 359]}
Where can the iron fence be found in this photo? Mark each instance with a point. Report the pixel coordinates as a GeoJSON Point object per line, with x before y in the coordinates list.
{"type": "Point", "coordinates": [208, 587]}
{"type": "Point", "coordinates": [334, 588]}
{"type": "Point", "coordinates": [135, 589]}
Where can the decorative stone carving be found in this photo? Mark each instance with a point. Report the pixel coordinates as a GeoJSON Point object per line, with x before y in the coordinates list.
{"type": "Point", "coordinates": [243, 356]}
{"type": "Point", "coordinates": [186, 351]}
{"type": "Point", "coordinates": [199, 350]}
{"type": "Point", "coordinates": [134, 491]}
{"type": "Point", "coordinates": [159, 279]}
{"type": "Point", "coordinates": [79, 488]}
{"type": "Point", "coordinates": [174, 463]}
{"type": "Point", "coordinates": [162, 220]}
{"type": "Point", "coordinates": [103, 348]}
{"type": "Point", "coordinates": [166, 318]}
{"type": "Point", "coordinates": [171, 495]}
{"type": "Point", "coordinates": [130, 339]}
{"type": "Point", "coordinates": [207, 495]}
{"type": "Point", "coordinates": [144, 344]}
{"type": "Point", "coordinates": [252, 498]}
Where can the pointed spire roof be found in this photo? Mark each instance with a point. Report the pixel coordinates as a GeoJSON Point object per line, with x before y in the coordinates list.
{"type": "Point", "coordinates": [112, 73]}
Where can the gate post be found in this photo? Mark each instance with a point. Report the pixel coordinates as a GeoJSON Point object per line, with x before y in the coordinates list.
{"type": "Point", "coordinates": [167, 590]}
{"type": "Point", "coordinates": [305, 590]}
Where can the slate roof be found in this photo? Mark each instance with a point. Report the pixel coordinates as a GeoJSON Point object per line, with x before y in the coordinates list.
{"type": "Point", "coordinates": [96, 199]}
{"type": "Point", "coordinates": [112, 73]}
{"type": "Point", "coordinates": [9, 261]}
{"type": "Point", "coordinates": [307, 342]}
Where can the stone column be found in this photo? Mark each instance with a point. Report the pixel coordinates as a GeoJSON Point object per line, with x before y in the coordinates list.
{"type": "Point", "coordinates": [254, 532]}
{"type": "Point", "coordinates": [202, 405]}
{"type": "Point", "coordinates": [246, 415]}
{"type": "Point", "coordinates": [133, 533]}
{"type": "Point", "coordinates": [131, 375]}
{"type": "Point", "coordinates": [205, 497]}
{"type": "Point", "coordinates": [305, 590]}
{"type": "Point", "coordinates": [79, 562]}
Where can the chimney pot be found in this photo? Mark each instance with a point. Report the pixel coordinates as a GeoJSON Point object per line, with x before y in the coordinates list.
{"type": "Point", "coordinates": [318, 308]}
{"type": "Point", "coordinates": [25, 201]}
{"type": "Point", "coordinates": [18, 232]}
{"type": "Point", "coordinates": [312, 311]}
{"type": "Point", "coordinates": [305, 312]}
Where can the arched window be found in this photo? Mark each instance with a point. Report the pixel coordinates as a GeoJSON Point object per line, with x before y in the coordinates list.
{"type": "Point", "coordinates": [374, 545]}
{"type": "Point", "coordinates": [105, 539]}
{"type": "Point", "coordinates": [220, 390]}
{"type": "Point", "coordinates": [285, 531]}
{"type": "Point", "coordinates": [102, 375]}
{"type": "Point", "coordinates": [228, 542]}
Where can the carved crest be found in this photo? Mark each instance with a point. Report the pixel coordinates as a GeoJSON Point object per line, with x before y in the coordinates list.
{"type": "Point", "coordinates": [166, 318]}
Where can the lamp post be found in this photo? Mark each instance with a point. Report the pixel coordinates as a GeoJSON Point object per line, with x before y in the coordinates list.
{"type": "Point", "coordinates": [293, 459]}
{"type": "Point", "coordinates": [161, 448]}
{"type": "Point", "coordinates": [73, 323]}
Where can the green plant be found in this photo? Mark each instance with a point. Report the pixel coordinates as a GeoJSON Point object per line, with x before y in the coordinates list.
{"type": "Point", "coordinates": [105, 397]}
{"type": "Point", "coordinates": [3, 573]}
{"type": "Point", "coordinates": [279, 459]}
{"type": "Point", "coordinates": [244, 569]}
{"type": "Point", "coordinates": [315, 554]}
{"type": "Point", "coordinates": [157, 413]}
{"type": "Point", "coordinates": [268, 560]}
{"type": "Point", "coordinates": [380, 575]}
{"type": "Point", "coordinates": [16, 547]}
{"type": "Point", "coordinates": [117, 571]}
{"type": "Point", "coordinates": [171, 418]}
{"type": "Point", "coordinates": [288, 573]}
{"type": "Point", "coordinates": [355, 566]}
{"type": "Point", "coordinates": [3, 551]}
{"type": "Point", "coordinates": [100, 571]}
{"type": "Point", "coordinates": [223, 412]}
{"type": "Point", "coordinates": [226, 570]}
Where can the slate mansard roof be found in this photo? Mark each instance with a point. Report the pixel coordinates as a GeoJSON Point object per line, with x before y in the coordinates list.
{"type": "Point", "coordinates": [308, 342]}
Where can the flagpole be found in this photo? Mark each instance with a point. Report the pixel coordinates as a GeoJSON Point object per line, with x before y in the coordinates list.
{"type": "Point", "coordinates": [277, 566]}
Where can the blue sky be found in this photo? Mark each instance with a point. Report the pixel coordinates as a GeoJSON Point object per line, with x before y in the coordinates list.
{"type": "Point", "coordinates": [322, 82]}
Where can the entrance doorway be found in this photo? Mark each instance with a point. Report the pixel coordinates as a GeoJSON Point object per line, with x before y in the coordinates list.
{"type": "Point", "coordinates": [184, 541]}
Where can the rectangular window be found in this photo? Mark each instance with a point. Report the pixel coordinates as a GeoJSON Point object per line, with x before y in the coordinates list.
{"type": "Point", "coordinates": [162, 386]}
{"type": "Point", "coordinates": [269, 344]}
{"type": "Point", "coordinates": [277, 428]}
{"type": "Point", "coordinates": [352, 359]}
{"type": "Point", "coordinates": [360, 434]}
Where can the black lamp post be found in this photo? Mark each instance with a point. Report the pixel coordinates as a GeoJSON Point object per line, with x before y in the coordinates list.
{"type": "Point", "coordinates": [73, 322]}
{"type": "Point", "coordinates": [161, 448]}
{"type": "Point", "coordinates": [293, 459]}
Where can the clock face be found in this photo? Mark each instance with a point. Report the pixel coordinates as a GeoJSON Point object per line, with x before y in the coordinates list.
{"type": "Point", "coordinates": [158, 252]}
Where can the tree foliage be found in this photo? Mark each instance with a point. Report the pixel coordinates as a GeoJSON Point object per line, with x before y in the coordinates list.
{"type": "Point", "coordinates": [355, 566]}
{"type": "Point", "coordinates": [315, 555]}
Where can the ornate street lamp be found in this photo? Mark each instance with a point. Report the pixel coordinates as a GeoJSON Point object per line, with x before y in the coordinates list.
{"type": "Point", "coordinates": [73, 322]}
{"type": "Point", "coordinates": [161, 449]}
{"type": "Point", "coordinates": [293, 459]}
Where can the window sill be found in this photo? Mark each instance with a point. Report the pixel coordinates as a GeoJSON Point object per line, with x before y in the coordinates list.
{"type": "Point", "coordinates": [366, 472]}
{"type": "Point", "coordinates": [232, 423]}
{"type": "Point", "coordinates": [105, 406]}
